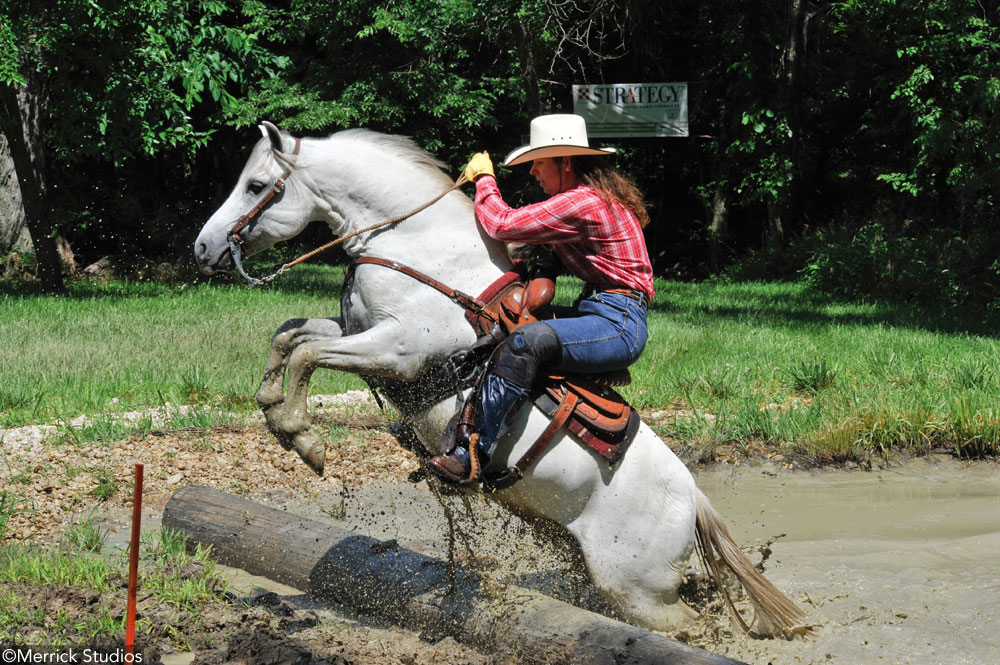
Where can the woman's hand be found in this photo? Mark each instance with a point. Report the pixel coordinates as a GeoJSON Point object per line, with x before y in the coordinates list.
{"type": "Point", "coordinates": [479, 165]}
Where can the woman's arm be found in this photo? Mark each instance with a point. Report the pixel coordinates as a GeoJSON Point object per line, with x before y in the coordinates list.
{"type": "Point", "coordinates": [556, 220]}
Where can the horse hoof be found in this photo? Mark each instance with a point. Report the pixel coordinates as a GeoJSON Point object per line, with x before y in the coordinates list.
{"type": "Point", "coordinates": [312, 451]}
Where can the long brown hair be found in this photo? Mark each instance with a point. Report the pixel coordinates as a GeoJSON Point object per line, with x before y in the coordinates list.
{"type": "Point", "coordinates": [611, 185]}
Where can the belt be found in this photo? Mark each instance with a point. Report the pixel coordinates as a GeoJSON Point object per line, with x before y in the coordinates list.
{"type": "Point", "coordinates": [634, 294]}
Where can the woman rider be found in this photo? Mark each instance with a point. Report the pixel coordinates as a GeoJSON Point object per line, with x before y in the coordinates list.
{"type": "Point", "coordinates": [593, 222]}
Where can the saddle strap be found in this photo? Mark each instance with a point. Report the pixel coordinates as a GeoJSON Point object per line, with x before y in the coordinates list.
{"type": "Point", "coordinates": [559, 420]}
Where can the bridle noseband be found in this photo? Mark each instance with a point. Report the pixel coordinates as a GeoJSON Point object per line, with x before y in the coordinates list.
{"type": "Point", "coordinates": [237, 244]}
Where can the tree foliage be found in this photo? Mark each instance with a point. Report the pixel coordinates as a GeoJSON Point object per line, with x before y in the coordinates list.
{"type": "Point", "coordinates": [127, 78]}
{"type": "Point", "coordinates": [811, 131]}
{"type": "Point", "coordinates": [443, 72]}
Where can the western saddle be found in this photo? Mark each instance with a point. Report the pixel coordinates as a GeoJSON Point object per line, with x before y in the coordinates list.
{"type": "Point", "coordinates": [587, 405]}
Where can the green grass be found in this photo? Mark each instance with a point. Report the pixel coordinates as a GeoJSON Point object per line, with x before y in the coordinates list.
{"type": "Point", "coordinates": [169, 575]}
{"type": "Point", "coordinates": [181, 581]}
{"type": "Point", "coordinates": [110, 427]}
{"type": "Point", "coordinates": [742, 362]}
{"type": "Point", "coordinates": [838, 380]}
{"type": "Point", "coordinates": [128, 345]}
{"type": "Point", "coordinates": [55, 568]}
{"type": "Point", "coordinates": [107, 485]}
{"type": "Point", "coordinates": [83, 535]}
{"type": "Point", "coordinates": [10, 505]}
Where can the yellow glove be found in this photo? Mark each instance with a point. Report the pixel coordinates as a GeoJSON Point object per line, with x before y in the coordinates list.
{"type": "Point", "coordinates": [480, 164]}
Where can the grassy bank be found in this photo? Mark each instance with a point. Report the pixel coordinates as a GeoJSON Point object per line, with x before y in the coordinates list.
{"type": "Point", "coordinates": [729, 363]}
{"type": "Point", "coordinates": [71, 594]}
{"type": "Point", "coordinates": [831, 379]}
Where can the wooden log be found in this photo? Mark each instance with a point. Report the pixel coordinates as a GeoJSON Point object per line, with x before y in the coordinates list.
{"type": "Point", "coordinates": [415, 591]}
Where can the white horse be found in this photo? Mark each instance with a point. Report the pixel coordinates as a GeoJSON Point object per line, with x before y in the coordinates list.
{"type": "Point", "coordinates": [636, 524]}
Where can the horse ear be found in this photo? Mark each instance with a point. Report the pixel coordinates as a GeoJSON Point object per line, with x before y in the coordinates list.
{"type": "Point", "coordinates": [273, 134]}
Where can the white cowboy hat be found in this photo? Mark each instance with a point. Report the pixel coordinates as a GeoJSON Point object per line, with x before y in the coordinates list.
{"type": "Point", "coordinates": [557, 135]}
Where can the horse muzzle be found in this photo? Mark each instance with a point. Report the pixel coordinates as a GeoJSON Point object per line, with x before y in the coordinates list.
{"type": "Point", "coordinates": [211, 261]}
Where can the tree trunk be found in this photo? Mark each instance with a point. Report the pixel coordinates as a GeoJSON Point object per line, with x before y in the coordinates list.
{"type": "Point", "coordinates": [411, 589]}
{"type": "Point", "coordinates": [532, 96]}
{"type": "Point", "coordinates": [27, 164]}
{"type": "Point", "coordinates": [13, 232]}
{"type": "Point", "coordinates": [784, 212]}
{"type": "Point", "coordinates": [718, 227]}
{"type": "Point", "coordinates": [776, 225]}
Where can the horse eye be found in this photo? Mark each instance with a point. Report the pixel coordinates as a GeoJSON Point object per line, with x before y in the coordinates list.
{"type": "Point", "coordinates": [255, 187]}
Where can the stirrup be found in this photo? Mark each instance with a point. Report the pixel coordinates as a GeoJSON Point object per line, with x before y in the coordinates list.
{"type": "Point", "coordinates": [475, 469]}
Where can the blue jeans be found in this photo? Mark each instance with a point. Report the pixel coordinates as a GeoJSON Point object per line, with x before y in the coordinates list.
{"type": "Point", "coordinates": [607, 333]}
{"type": "Point", "coordinates": [603, 333]}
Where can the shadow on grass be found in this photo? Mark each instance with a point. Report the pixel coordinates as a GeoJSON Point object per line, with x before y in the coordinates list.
{"type": "Point", "coordinates": [783, 304]}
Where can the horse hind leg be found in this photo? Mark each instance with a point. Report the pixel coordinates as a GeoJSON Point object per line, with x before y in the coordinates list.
{"type": "Point", "coordinates": [664, 612]}
{"type": "Point", "coordinates": [640, 580]}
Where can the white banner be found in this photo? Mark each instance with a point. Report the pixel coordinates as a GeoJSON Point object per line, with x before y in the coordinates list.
{"type": "Point", "coordinates": [633, 109]}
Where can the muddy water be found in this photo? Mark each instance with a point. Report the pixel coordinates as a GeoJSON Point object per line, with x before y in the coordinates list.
{"type": "Point", "coordinates": [900, 565]}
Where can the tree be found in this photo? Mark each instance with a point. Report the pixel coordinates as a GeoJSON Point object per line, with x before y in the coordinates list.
{"type": "Point", "coordinates": [19, 123]}
{"type": "Point", "coordinates": [807, 124]}
{"type": "Point", "coordinates": [105, 86]}
{"type": "Point", "coordinates": [440, 71]}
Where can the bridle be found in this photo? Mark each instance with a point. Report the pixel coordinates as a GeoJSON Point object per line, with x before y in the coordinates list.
{"type": "Point", "coordinates": [237, 245]}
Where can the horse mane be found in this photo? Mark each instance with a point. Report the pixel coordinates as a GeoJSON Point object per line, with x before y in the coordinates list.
{"type": "Point", "coordinates": [403, 147]}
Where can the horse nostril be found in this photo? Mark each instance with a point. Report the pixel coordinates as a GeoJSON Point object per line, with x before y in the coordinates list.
{"type": "Point", "coordinates": [200, 250]}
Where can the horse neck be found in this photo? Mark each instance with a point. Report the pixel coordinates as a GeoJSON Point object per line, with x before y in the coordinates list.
{"type": "Point", "coordinates": [363, 186]}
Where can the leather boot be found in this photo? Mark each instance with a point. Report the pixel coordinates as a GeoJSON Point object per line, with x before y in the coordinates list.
{"type": "Point", "coordinates": [498, 401]}
{"type": "Point", "coordinates": [450, 467]}
{"type": "Point", "coordinates": [458, 466]}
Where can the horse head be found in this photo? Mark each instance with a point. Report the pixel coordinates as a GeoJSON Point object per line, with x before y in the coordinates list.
{"type": "Point", "coordinates": [349, 180]}
{"type": "Point", "coordinates": [267, 205]}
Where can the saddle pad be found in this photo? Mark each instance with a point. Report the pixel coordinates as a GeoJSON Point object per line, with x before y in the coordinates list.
{"type": "Point", "coordinates": [609, 445]}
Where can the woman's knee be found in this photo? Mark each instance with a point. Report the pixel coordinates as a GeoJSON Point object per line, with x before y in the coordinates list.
{"type": "Point", "coordinates": [530, 347]}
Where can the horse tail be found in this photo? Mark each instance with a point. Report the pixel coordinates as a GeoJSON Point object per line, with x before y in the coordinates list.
{"type": "Point", "coordinates": [775, 614]}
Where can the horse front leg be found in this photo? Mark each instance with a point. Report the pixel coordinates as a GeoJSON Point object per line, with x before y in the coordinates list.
{"type": "Point", "coordinates": [271, 392]}
{"type": "Point", "coordinates": [376, 351]}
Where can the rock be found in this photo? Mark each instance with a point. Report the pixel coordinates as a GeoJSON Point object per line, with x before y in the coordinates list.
{"type": "Point", "coordinates": [175, 479]}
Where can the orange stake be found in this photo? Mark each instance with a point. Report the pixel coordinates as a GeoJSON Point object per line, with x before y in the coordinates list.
{"type": "Point", "coordinates": [133, 564]}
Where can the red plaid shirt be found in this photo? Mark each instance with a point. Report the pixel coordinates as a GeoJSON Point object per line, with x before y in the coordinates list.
{"type": "Point", "coordinates": [597, 244]}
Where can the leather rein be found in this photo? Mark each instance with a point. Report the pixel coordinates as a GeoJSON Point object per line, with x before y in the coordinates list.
{"type": "Point", "coordinates": [237, 245]}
